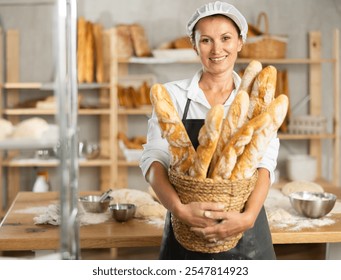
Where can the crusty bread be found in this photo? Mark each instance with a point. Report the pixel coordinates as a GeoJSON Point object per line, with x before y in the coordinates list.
{"type": "Point", "coordinates": [236, 147]}
{"type": "Point", "coordinates": [6, 128]}
{"type": "Point", "coordinates": [81, 39]}
{"type": "Point", "coordinates": [263, 91]}
{"type": "Point", "coordinates": [180, 146]}
{"type": "Point", "coordinates": [31, 128]}
{"type": "Point", "coordinates": [183, 43]}
{"type": "Point", "coordinates": [89, 54]}
{"type": "Point", "coordinates": [249, 76]}
{"type": "Point", "coordinates": [248, 162]}
{"type": "Point", "coordinates": [208, 139]}
{"type": "Point", "coordinates": [99, 66]}
{"type": "Point", "coordinates": [278, 109]}
{"type": "Point", "coordinates": [235, 118]}
{"type": "Point", "coordinates": [125, 47]}
{"type": "Point", "coordinates": [140, 41]}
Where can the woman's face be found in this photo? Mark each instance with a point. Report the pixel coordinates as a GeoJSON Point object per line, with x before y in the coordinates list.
{"type": "Point", "coordinates": [217, 43]}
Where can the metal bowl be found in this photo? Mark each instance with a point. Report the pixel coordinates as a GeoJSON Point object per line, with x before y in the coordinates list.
{"type": "Point", "coordinates": [123, 212]}
{"type": "Point", "coordinates": [92, 204]}
{"type": "Point", "coordinates": [312, 204]}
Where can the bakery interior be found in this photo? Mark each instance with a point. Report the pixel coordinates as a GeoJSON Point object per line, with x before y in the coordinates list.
{"type": "Point", "coordinates": [120, 49]}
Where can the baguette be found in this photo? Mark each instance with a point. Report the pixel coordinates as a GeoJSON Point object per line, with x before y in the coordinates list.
{"type": "Point", "coordinates": [249, 76]}
{"type": "Point", "coordinates": [208, 139]}
{"type": "Point", "coordinates": [99, 66]}
{"type": "Point", "coordinates": [235, 118]}
{"type": "Point", "coordinates": [180, 146]}
{"type": "Point", "coordinates": [254, 151]}
{"type": "Point", "coordinates": [81, 42]}
{"type": "Point", "coordinates": [236, 147]}
{"type": "Point", "coordinates": [89, 54]}
{"type": "Point", "coordinates": [263, 91]}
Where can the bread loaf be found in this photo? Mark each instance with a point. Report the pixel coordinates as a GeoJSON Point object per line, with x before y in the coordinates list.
{"type": "Point", "coordinates": [125, 47]}
{"type": "Point", "coordinates": [208, 139]}
{"type": "Point", "coordinates": [6, 128]}
{"type": "Point", "coordinates": [32, 128]}
{"type": "Point", "coordinates": [140, 41]}
{"type": "Point", "coordinates": [236, 147]}
{"type": "Point", "coordinates": [180, 146]}
{"type": "Point", "coordinates": [89, 66]}
{"type": "Point", "coordinates": [254, 151]}
{"type": "Point", "coordinates": [81, 42]}
{"type": "Point", "coordinates": [235, 118]}
{"type": "Point", "coordinates": [249, 76]}
{"type": "Point", "coordinates": [99, 66]}
{"type": "Point", "coordinates": [263, 91]}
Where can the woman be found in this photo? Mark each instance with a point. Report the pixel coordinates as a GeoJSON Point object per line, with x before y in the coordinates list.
{"type": "Point", "coordinates": [217, 31]}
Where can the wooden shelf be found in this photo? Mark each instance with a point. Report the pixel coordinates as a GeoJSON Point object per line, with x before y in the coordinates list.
{"type": "Point", "coordinates": [153, 60]}
{"type": "Point", "coordinates": [124, 163]}
{"type": "Point", "coordinates": [137, 111]}
{"type": "Point", "coordinates": [306, 136]}
{"type": "Point", "coordinates": [35, 111]}
{"type": "Point", "coordinates": [50, 86]}
{"type": "Point", "coordinates": [53, 162]}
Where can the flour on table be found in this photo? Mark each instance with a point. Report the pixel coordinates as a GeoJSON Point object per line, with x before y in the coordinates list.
{"type": "Point", "coordinates": [51, 215]}
{"type": "Point", "coordinates": [281, 214]}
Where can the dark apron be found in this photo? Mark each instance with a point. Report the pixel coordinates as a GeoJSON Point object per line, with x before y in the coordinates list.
{"type": "Point", "coordinates": [255, 244]}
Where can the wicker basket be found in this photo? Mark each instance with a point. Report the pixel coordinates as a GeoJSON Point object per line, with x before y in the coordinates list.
{"type": "Point", "coordinates": [233, 193]}
{"type": "Point", "coordinates": [265, 45]}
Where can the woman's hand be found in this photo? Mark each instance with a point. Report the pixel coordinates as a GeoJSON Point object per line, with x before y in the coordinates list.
{"type": "Point", "coordinates": [196, 214]}
{"type": "Point", "coordinates": [226, 224]}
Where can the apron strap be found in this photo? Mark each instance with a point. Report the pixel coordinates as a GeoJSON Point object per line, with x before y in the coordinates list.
{"type": "Point", "coordinates": [184, 117]}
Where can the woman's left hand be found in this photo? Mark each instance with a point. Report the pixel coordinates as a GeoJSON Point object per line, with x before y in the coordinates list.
{"type": "Point", "coordinates": [228, 224]}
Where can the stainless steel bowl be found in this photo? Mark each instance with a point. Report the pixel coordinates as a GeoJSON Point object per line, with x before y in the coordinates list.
{"type": "Point", "coordinates": [92, 204]}
{"type": "Point", "coordinates": [312, 204]}
{"type": "Point", "coordinates": [123, 212]}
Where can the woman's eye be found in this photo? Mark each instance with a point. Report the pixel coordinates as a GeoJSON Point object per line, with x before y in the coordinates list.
{"type": "Point", "coordinates": [205, 40]}
{"type": "Point", "coordinates": [226, 38]}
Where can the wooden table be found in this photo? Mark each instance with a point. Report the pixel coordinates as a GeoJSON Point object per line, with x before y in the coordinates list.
{"type": "Point", "coordinates": [18, 231]}
{"type": "Point", "coordinates": [322, 234]}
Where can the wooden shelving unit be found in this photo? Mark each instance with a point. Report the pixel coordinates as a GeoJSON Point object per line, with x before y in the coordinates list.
{"type": "Point", "coordinates": [10, 91]}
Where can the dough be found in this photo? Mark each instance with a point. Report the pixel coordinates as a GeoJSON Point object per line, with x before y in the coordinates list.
{"type": "Point", "coordinates": [6, 128]}
{"type": "Point", "coordinates": [146, 206]}
{"type": "Point", "coordinates": [301, 186]}
{"type": "Point", "coordinates": [278, 215]}
{"type": "Point", "coordinates": [32, 128]}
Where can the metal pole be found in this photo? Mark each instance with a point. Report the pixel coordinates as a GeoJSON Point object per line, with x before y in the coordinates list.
{"type": "Point", "coordinates": [66, 93]}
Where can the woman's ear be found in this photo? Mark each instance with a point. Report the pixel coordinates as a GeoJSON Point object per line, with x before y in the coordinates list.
{"type": "Point", "coordinates": [240, 44]}
{"type": "Point", "coordinates": [195, 49]}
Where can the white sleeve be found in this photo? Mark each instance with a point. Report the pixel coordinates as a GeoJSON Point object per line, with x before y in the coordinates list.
{"type": "Point", "coordinates": [156, 148]}
{"type": "Point", "coordinates": [269, 160]}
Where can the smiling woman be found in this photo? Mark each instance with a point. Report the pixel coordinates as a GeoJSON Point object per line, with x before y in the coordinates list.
{"type": "Point", "coordinates": [217, 31]}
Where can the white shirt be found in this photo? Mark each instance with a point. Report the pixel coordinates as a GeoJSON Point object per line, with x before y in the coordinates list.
{"type": "Point", "coordinates": [156, 148]}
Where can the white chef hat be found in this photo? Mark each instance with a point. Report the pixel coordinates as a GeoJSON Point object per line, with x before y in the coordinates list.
{"type": "Point", "coordinates": [219, 8]}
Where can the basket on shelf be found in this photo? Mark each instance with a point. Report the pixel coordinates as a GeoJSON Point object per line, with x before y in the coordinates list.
{"type": "Point", "coordinates": [232, 193]}
{"type": "Point", "coordinates": [264, 45]}
{"type": "Point", "coordinates": [307, 124]}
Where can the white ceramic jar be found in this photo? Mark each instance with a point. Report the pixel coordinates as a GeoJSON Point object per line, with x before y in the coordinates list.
{"type": "Point", "coordinates": [301, 167]}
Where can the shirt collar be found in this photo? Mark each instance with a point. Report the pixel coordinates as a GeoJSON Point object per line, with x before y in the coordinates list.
{"type": "Point", "coordinates": [196, 94]}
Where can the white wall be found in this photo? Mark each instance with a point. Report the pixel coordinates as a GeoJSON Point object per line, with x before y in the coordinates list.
{"type": "Point", "coordinates": [166, 20]}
